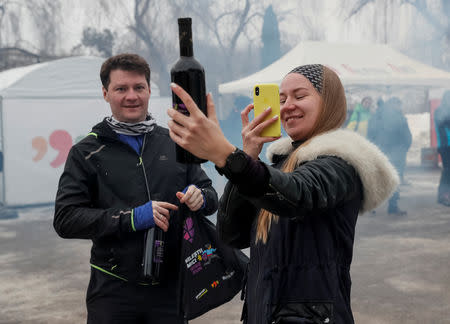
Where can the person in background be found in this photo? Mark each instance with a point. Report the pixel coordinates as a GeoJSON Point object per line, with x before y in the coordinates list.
{"type": "Point", "coordinates": [119, 181]}
{"type": "Point", "coordinates": [389, 130]}
{"type": "Point", "coordinates": [442, 125]}
{"type": "Point", "coordinates": [360, 117]}
{"type": "Point", "coordinates": [297, 215]}
{"type": "Point", "coordinates": [380, 103]}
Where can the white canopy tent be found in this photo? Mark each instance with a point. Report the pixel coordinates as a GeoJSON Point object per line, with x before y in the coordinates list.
{"type": "Point", "coordinates": [44, 109]}
{"type": "Point", "coordinates": [358, 65]}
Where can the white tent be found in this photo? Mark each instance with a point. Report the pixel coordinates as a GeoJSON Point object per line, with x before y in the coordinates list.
{"type": "Point", "coordinates": [44, 109]}
{"type": "Point", "coordinates": [358, 65]}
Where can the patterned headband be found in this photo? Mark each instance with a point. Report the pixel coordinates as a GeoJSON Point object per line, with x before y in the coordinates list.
{"type": "Point", "coordinates": [313, 72]}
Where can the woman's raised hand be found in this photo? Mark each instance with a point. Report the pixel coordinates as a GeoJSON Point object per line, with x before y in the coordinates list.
{"type": "Point", "coordinates": [200, 135]}
{"type": "Point", "coordinates": [251, 131]}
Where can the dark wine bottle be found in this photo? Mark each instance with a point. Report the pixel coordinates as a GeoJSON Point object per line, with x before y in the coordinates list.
{"type": "Point", "coordinates": [153, 254]}
{"type": "Point", "coordinates": [189, 74]}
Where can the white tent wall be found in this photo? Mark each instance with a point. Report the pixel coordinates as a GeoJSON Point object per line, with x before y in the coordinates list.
{"type": "Point", "coordinates": [42, 116]}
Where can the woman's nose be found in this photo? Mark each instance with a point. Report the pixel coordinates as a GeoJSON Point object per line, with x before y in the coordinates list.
{"type": "Point", "coordinates": [288, 104]}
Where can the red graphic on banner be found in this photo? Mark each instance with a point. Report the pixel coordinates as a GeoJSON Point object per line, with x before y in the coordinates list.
{"type": "Point", "coordinates": [61, 141]}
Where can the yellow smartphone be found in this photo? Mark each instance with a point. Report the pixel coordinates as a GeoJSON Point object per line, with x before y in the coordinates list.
{"type": "Point", "coordinates": [268, 95]}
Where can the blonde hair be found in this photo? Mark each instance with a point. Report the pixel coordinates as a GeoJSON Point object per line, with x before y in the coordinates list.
{"type": "Point", "coordinates": [333, 109]}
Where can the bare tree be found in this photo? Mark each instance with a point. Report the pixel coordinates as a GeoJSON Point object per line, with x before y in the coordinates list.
{"type": "Point", "coordinates": [9, 27]}
{"type": "Point", "coordinates": [310, 22]}
{"type": "Point", "coordinates": [228, 23]}
{"type": "Point", "coordinates": [2, 14]}
{"type": "Point", "coordinates": [224, 25]}
{"type": "Point", "coordinates": [46, 15]}
{"type": "Point", "coordinates": [153, 30]}
{"type": "Point", "coordinates": [358, 7]}
{"type": "Point", "coordinates": [438, 16]}
{"type": "Point", "coordinates": [102, 42]}
{"type": "Point", "coordinates": [42, 15]}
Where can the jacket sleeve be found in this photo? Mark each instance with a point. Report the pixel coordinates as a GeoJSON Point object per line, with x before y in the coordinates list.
{"type": "Point", "coordinates": [235, 217]}
{"type": "Point", "coordinates": [316, 185]}
{"type": "Point", "coordinates": [198, 177]}
{"type": "Point", "coordinates": [75, 215]}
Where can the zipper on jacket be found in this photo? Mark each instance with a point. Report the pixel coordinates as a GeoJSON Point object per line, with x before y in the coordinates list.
{"type": "Point", "coordinates": [141, 162]}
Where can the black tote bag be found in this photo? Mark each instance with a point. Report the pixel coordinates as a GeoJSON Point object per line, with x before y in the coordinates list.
{"type": "Point", "coordinates": [211, 271]}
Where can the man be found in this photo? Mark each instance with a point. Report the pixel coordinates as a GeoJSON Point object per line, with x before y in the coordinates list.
{"type": "Point", "coordinates": [119, 181]}
{"type": "Point", "coordinates": [360, 117]}
{"type": "Point", "coordinates": [388, 129]}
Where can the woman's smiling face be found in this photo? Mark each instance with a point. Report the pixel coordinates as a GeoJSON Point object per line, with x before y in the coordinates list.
{"type": "Point", "coordinates": [300, 106]}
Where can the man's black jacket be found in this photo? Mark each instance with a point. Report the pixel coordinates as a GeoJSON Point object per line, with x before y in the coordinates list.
{"type": "Point", "coordinates": [104, 179]}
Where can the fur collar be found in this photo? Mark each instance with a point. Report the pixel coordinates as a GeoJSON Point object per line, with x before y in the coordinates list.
{"type": "Point", "coordinates": [379, 178]}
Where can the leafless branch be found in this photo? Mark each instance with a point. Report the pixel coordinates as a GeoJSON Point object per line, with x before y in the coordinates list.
{"type": "Point", "coordinates": [358, 7]}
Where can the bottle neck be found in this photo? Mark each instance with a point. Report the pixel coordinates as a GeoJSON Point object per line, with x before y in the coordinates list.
{"type": "Point", "coordinates": [185, 34]}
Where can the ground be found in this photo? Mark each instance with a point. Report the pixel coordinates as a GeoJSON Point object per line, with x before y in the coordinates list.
{"type": "Point", "coordinates": [400, 271]}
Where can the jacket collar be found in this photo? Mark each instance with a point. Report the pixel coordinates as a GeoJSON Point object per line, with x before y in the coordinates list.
{"type": "Point", "coordinates": [379, 178]}
{"type": "Point", "coordinates": [102, 129]}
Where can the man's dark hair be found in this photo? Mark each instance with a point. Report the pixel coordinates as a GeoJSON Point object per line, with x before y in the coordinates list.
{"type": "Point", "coordinates": [126, 62]}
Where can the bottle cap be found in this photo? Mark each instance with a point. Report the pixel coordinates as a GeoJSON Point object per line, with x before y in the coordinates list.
{"type": "Point", "coordinates": [185, 21]}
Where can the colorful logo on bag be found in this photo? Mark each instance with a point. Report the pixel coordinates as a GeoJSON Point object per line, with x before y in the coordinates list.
{"type": "Point", "coordinates": [208, 254]}
{"type": "Point", "coordinates": [200, 258]}
{"type": "Point", "coordinates": [201, 293]}
{"type": "Point", "coordinates": [188, 232]}
{"type": "Point", "coordinates": [192, 262]}
{"type": "Point", "coordinates": [215, 284]}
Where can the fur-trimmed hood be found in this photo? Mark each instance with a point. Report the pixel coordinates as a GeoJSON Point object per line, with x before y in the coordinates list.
{"type": "Point", "coordinates": [379, 178]}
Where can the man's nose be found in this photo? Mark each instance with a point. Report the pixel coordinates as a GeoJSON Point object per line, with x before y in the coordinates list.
{"type": "Point", "coordinates": [131, 95]}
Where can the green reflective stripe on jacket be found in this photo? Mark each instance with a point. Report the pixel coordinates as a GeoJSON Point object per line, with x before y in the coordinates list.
{"type": "Point", "coordinates": [116, 276]}
{"type": "Point", "coordinates": [110, 273]}
{"type": "Point", "coordinates": [132, 220]}
{"type": "Point", "coordinates": [93, 134]}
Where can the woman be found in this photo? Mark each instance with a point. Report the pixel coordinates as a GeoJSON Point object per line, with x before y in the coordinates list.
{"type": "Point", "coordinates": [298, 215]}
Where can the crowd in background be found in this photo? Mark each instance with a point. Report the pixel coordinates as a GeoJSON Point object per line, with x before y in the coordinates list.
{"type": "Point", "coordinates": [384, 124]}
